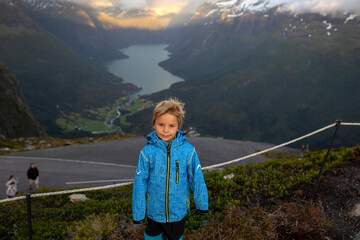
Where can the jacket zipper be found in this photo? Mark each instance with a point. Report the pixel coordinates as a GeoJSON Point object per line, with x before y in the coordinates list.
{"type": "Point", "coordinates": [177, 171]}
{"type": "Point", "coordinates": [167, 183]}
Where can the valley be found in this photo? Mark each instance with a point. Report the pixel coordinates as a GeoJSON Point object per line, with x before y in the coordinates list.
{"type": "Point", "coordinates": [111, 118]}
{"type": "Point", "coordinates": [104, 120]}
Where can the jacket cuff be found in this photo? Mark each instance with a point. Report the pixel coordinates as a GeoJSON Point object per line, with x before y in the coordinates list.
{"type": "Point", "coordinates": [139, 222]}
{"type": "Point", "coordinates": [202, 211]}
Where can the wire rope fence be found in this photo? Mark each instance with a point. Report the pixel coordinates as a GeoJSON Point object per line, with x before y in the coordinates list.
{"type": "Point", "coordinates": [207, 168]}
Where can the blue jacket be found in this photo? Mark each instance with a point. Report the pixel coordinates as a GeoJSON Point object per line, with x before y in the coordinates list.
{"type": "Point", "coordinates": [164, 174]}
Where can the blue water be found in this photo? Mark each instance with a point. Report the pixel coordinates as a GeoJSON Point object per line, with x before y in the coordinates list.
{"type": "Point", "coordinates": [142, 69]}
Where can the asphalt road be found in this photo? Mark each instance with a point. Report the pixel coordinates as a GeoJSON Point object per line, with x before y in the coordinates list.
{"type": "Point", "coordinates": [105, 163]}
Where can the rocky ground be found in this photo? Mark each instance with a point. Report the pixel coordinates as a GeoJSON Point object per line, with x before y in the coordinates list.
{"type": "Point", "coordinates": [340, 196]}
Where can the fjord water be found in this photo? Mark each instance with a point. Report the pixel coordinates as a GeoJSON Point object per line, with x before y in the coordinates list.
{"type": "Point", "coordinates": [142, 68]}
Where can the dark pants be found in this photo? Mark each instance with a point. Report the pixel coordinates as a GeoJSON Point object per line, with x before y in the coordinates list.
{"type": "Point", "coordinates": [171, 231]}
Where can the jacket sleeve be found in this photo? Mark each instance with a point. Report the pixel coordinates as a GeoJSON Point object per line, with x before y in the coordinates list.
{"type": "Point", "coordinates": [197, 184]}
{"type": "Point", "coordinates": [10, 192]}
{"type": "Point", "coordinates": [8, 183]}
{"type": "Point", "coordinates": [140, 189]}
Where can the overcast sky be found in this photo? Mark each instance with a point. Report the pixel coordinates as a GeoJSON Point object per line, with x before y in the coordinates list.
{"type": "Point", "coordinates": [322, 6]}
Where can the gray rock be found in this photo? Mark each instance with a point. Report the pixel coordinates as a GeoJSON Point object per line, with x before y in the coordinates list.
{"type": "Point", "coordinates": [29, 147]}
{"type": "Point", "coordinates": [230, 176]}
{"type": "Point", "coordinates": [355, 211]}
{"type": "Point", "coordinates": [357, 236]}
{"type": "Point", "coordinates": [78, 198]}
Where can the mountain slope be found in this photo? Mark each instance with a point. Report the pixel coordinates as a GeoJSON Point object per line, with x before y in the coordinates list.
{"type": "Point", "coordinates": [52, 75]}
{"type": "Point", "coordinates": [96, 33]}
{"type": "Point", "coordinates": [78, 26]}
{"type": "Point", "coordinates": [267, 75]}
{"type": "Point", "coordinates": [16, 119]}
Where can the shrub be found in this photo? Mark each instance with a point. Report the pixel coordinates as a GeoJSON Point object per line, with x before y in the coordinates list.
{"type": "Point", "coordinates": [290, 221]}
{"type": "Point", "coordinates": [105, 226]}
{"type": "Point", "coordinates": [301, 221]}
{"type": "Point", "coordinates": [237, 223]}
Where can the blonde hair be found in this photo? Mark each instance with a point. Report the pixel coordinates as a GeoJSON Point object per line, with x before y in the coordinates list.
{"type": "Point", "coordinates": [172, 106]}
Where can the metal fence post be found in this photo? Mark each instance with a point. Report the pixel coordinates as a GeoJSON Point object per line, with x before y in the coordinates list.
{"type": "Point", "coordinates": [28, 202]}
{"type": "Point", "coordinates": [338, 123]}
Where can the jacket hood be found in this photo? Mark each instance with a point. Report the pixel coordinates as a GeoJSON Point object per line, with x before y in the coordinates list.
{"type": "Point", "coordinates": [153, 139]}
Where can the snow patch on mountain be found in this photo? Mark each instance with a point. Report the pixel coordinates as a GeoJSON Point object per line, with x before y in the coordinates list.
{"type": "Point", "coordinates": [211, 12]}
{"type": "Point", "coordinates": [349, 18]}
{"type": "Point", "coordinates": [255, 5]}
{"type": "Point", "coordinates": [59, 5]}
{"type": "Point", "coordinates": [328, 25]}
{"type": "Point", "coordinates": [114, 12]}
{"type": "Point", "coordinates": [238, 7]}
{"type": "Point", "coordinates": [223, 9]}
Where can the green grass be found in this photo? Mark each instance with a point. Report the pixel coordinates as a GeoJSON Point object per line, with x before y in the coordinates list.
{"type": "Point", "coordinates": [90, 121]}
{"type": "Point", "coordinates": [94, 120]}
{"type": "Point", "coordinates": [94, 126]}
{"type": "Point", "coordinates": [135, 106]}
{"type": "Point", "coordinates": [86, 125]}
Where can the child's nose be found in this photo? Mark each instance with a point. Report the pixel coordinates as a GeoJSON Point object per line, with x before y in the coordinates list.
{"type": "Point", "coordinates": [166, 129]}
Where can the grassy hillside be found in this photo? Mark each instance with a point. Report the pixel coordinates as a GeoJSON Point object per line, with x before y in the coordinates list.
{"type": "Point", "coordinates": [263, 201]}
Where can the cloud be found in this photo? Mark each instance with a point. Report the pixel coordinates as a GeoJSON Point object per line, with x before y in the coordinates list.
{"type": "Point", "coordinates": [323, 6]}
{"type": "Point", "coordinates": [159, 6]}
{"type": "Point", "coordinates": [320, 6]}
{"type": "Point", "coordinates": [121, 3]}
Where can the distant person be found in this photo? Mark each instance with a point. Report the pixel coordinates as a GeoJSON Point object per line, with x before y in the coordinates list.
{"type": "Point", "coordinates": [167, 169]}
{"type": "Point", "coordinates": [11, 185]}
{"type": "Point", "coordinates": [33, 176]}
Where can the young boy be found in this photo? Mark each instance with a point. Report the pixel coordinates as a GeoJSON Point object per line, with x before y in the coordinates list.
{"type": "Point", "coordinates": [167, 167]}
{"type": "Point", "coordinates": [11, 185]}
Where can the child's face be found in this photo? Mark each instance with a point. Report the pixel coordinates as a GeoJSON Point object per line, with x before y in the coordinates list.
{"type": "Point", "coordinates": [166, 127]}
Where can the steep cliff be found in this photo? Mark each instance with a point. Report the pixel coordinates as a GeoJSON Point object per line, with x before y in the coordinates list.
{"type": "Point", "coordinates": [16, 119]}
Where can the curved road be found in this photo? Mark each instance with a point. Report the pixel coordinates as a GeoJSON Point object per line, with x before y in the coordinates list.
{"type": "Point", "coordinates": [105, 163]}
